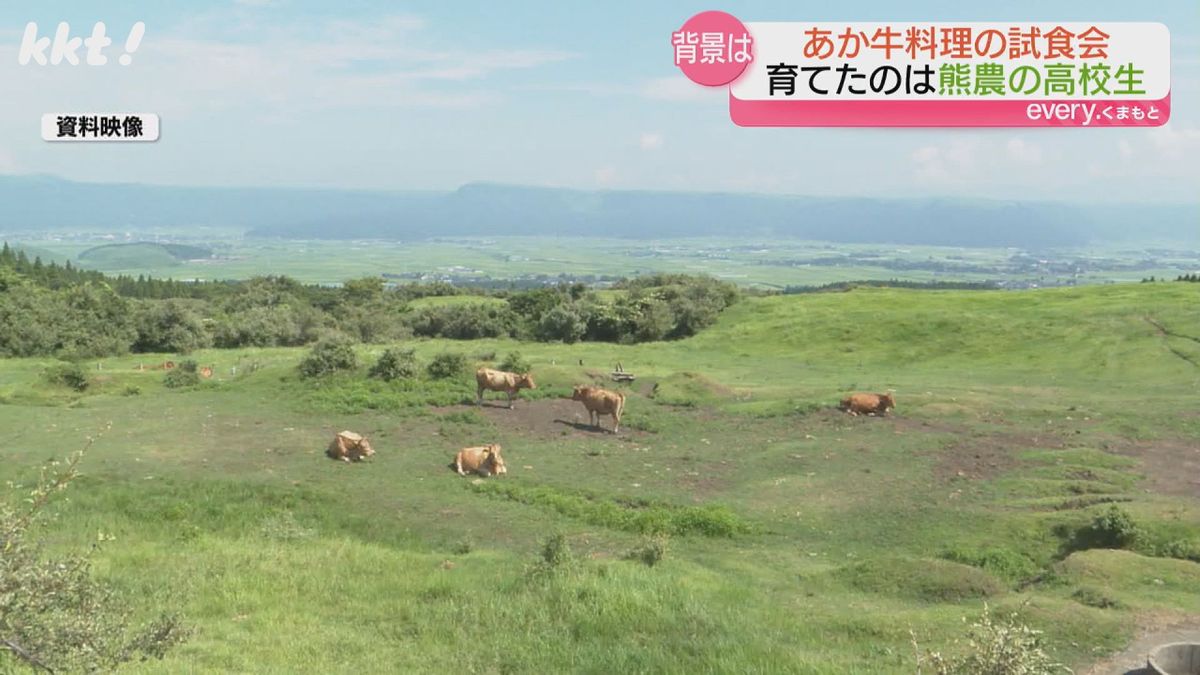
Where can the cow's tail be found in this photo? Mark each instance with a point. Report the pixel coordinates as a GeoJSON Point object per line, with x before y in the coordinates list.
{"type": "Point", "coordinates": [620, 404]}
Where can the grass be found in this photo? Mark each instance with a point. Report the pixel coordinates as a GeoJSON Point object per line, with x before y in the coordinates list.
{"type": "Point", "coordinates": [802, 540]}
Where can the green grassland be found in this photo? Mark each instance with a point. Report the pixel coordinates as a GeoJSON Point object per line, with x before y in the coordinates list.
{"type": "Point", "coordinates": [800, 539]}
{"type": "Point", "coordinates": [771, 264]}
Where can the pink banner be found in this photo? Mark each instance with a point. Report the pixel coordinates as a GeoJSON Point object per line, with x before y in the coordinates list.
{"type": "Point", "coordinates": [943, 113]}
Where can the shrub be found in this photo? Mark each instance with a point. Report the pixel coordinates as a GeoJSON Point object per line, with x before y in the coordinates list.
{"type": "Point", "coordinates": [328, 356]}
{"type": "Point", "coordinates": [514, 363]}
{"type": "Point", "coordinates": [131, 390]}
{"type": "Point", "coordinates": [1093, 597]}
{"type": "Point", "coordinates": [556, 555]}
{"type": "Point", "coordinates": [170, 326]}
{"type": "Point", "coordinates": [395, 364]}
{"type": "Point", "coordinates": [1112, 529]}
{"type": "Point", "coordinates": [651, 552]}
{"type": "Point", "coordinates": [72, 375]}
{"type": "Point", "coordinates": [1002, 562]}
{"type": "Point", "coordinates": [1007, 647]}
{"type": "Point", "coordinates": [54, 615]}
{"type": "Point", "coordinates": [180, 377]}
{"type": "Point", "coordinates": [447, 365]}
{"type": "Point", "coordinates": [562, 323]}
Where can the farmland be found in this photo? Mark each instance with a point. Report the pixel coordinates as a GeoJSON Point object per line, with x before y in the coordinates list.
{"type": "Point", "coordinates": [797, 538]}
{"type": "Point", "coordinates": [771, 264]}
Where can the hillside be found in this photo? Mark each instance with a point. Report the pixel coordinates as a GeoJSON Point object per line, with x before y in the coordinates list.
{"type": "Point", "coordinates": [140, 255]}
{"type": "Point", "coordinates": [737, 522]}
{"type": "Point", "coordinates": [43, 203]}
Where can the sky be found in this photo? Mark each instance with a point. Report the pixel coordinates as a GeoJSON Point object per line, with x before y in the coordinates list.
{"type": "Point", "coordinates": [433, 95]}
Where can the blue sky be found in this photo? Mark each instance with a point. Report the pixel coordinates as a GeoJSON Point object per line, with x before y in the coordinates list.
{"type": "Point", "coordinates": [431, 95]}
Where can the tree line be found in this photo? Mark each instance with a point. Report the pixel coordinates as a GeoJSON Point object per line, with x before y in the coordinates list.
{"type": "Point", "coordinates": [61, 310]}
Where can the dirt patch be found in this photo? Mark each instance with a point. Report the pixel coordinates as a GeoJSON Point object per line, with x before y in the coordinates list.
{"type": "Point", "coordinates": [1153, 630]}
{"type": "Point", "coordinates": [978, 457]}
{"type": "Point", "coordinates": [1171, 466]}
{"type": "Point", "coordinates": [545, 417]}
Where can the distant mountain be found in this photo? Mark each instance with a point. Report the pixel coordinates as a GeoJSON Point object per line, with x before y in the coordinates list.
{"type": "Point", "coordinates": [43, 203]}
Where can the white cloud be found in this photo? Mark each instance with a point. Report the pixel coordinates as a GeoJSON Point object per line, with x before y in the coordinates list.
{"type": "Point", "coordinates": [651, 141]}
{"type": "Point", "coordinates": [951, 162]}
{"type": "Point", "coordinates": [1023, 151]}
{"type": "Point", "coordinates": [391, 62]}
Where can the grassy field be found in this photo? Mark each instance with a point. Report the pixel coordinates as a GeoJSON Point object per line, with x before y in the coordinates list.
{"type": "Point", "coordinates": [770, 264]}
{"type": "Point", "coordinates": [800, 539]}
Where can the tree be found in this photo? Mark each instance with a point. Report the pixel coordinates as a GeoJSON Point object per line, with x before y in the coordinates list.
{"type": "Point", "coordinates": [170, 326]}
{"type": "Point", "coordinates": [563, 323]}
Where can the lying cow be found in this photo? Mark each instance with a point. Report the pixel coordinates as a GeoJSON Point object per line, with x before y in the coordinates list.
{"type": "Point", "coordinates": [600, 402]}
{"type": "Point", "coordinates": [484, 460]}
{"type": "Point", "coordinates": [868, 404]}
{"type": "Point", "coordinates": [498, 380]}
{"type": "Point", "coordinates": [349, 447]}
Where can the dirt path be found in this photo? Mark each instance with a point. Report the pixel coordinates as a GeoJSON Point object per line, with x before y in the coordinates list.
{"type": "Point", "coordinates": [1132, 661]}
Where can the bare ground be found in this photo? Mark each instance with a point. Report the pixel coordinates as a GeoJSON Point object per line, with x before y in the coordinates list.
{"type": "Point", "coordinates": [545, 417]}
{"type": "Point", "coordinates": [1152, 632]}
{"type": "Point", "coordinates": [1171, 466]}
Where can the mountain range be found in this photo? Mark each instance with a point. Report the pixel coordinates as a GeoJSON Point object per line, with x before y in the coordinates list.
{"type": "Point", "coordinates": [44, 203]}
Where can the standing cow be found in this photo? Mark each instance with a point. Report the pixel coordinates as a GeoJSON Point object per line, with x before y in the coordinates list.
{"type": "Point", "coordinates": [484, 460]}
{"type": "Point", "coordinates": [498, 380]}
{"type": "Point", "coordinates": [868, 404]}
{"type": "Point", "coordinates": [600, 402]}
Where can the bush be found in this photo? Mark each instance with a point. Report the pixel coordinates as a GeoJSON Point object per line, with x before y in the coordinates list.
{"type": "Point", "coordinates": [71, 375]}
{"type": "Point", "coordinates": [170, 326]}
{"type": "Point", "coordinates": [513, 363]}
{"type": "Point", "coordinates": [1112, 529]}
{"type": "Point", "coordinates": [328, 356]}
{"type": "Point", "coordinates": [556, 555]}
{"type": "Point", "coordinates": [998, 648]}
{"type": "Point", "coordinates": [447, 365]}
{"type": "Point", "coordinates": [395, 364]}
{"type": "Point", "coordinates": [180, 377]}
{"type": "Point", "coordinates": [131, 390]}
{"type": "Point", "coordinates": [463, 322]}
{"type": "Point", "coordinates": [54, 615]}
{"type": "Point", "coordinates": [650, 552]}
{"type": "Point", "coordinates": [563, 323]}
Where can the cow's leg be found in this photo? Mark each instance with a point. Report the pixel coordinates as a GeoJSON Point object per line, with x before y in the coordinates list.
{"type": "Point", "coordinates": [479, 396]}
{"type": "Point", "coordinates": [510, 400]}
{"type": "Point", "coordinates": [616, 422]}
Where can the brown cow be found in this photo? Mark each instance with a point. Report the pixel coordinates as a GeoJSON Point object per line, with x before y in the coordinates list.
{"type": "Point", "coordinates": [349, 447]}
{"type": "Point", "coordinates": [498, 380]}
{"type": "Point", "coordinates": [484, 460]}
{"type": "Point", "coordinates": [600, 402]}
{"type": "Point", "coordinates": [868, 404]}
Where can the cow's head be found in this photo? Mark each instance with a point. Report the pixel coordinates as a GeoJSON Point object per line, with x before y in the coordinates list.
{"type": "Point", "coordinates": [580, 392]}
{"type": "Point", "coordinates": [494, 458]}
{"type": "Point", "coordinates": [887, 401]}
{"type": "Point", "coordinates": [363, 449]}
{"type": "Point", "coordinates": [525, 381]}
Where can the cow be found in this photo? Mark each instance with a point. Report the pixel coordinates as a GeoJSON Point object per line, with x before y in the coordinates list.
{"type": "Point", "coordinates": [868, 404]}
{"type": "Point", "coordinates": [600, 402]}
{"type": "Point", "coordinates": [484, 460]}
{"type": "Point", "coordinates": [349, 447]}
{"type": "Point", "coordinates": [498, 380]}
